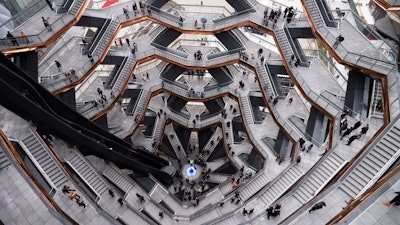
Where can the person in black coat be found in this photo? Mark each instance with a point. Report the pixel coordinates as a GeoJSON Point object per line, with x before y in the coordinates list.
{"type": "Point", "coordinates": [354, 137]}
{"type": "Point", "coordinates": [347, 132]}
{"type": "Point", "coordinates": [357, 125]}
{"type": "Point", "coordinates": [318, 205]}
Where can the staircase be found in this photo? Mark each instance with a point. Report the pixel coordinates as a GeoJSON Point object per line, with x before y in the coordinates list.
{"type": "Point", "coordinates": [217, 178]}
{"type": "Point", "coordinates": [375, 163]}
{"type": "Point", "coordinates": [284, 44]}
{"type": "Point", "coordinates": [319, 178]}
{"type": "Point", "coordinates": [141, 103]}
{"type": "Point", "coordinates": [281, 185]}
{"type": "Point", "coordinates": [265, 81]}
{"type": "Point", "coordinates": [124, 75]}
{"type": "Point", "coordinates": [159, 128]}
{"type": "Point", "coordinates": [105, 39]}
{"type": "Point", "coordinates": [45, 159]}
{"type": "Point", "coordinates": [209, 147]}
{"type": "Point", "coordinates": [88, 174]}
{"type": "Point", "coordinates": [175, 141]}
{"type": "Point", "coordinates": [254, 186]}
{"type": "Point", "coordinates": [239, 34]}
{"type": "Point", "coordinates": [76, 6]}
{"type": "Point", "coordinates": [244, 102]}
{"type": "Point", "coordinates": [316, 16]}
{"type": "Point", "coordinates": [118, 178]}
{"type": "Point", "coordinates": [376, 97]}
{"type": "Point", "coordinates": [4, 162]}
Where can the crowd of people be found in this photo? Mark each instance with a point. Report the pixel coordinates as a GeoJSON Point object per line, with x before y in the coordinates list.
{"type": "Point", "coordinates": [72, 194]}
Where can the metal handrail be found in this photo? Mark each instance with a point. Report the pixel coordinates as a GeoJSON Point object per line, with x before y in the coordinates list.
{"type": "Point", "coordinates": [40, 4]}
{"type": "Point", "coordinates": [39, 167]}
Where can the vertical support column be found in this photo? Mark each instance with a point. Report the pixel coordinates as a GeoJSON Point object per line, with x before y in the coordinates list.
{"type": "Point", "coordinates": [68, 98]}
{"type": "Point", "coordinates": [317, 126]}
{"type": "Point", "coordinates": [28, 62]}
{"type": "Point", "coordinates": [102, 121]}
{"type": "Point", "coordinates": [358, 94]}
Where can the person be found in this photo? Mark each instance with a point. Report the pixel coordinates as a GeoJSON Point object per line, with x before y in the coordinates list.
{"type": "Point", "coordinates": [244, 212]}
{"type": "Point", "coordinates": [181, 21]}
{"type": "Point", "coordinates": [125, 10]}
{"type": "Point", "coordinates": [277, 210]}
{"type": "Point", "coordinates": [298, 159]}
{"type": "Point", "coordinates": [251, 211]}
{"type": "Point", "coordinates": [339, 39]}
{"type": "Point", "coordinates": [161, 214]}
{"type": "Point", "coordinates": [195, 23]}
{"type": "Point", "coordinates": [140, 197]}
{"type": "Point", "coordinates": [111, 192]}
{"type": "Point", "coordinates": [58, 64]}
{"type": "Point", "coordinates": [347, 132]}
{"type": "Point", "coordinates": [24, 37]}
{"type": "Point", "coordinates": [395, 201]}
{"type": "Point", "coordinates": [301, 142]}
{"type": "Point", "coordinates": [260, 51]}
{"type": "Point", "coordinates": [81, 202]}
{"type": "Point", "coordinates": [46, 24]}
{"type": "Point", "coordinates": [318, 205]}
{"type": "Point", "coordinates": [343, 125]}
{"type": "Point", "coordinates": [357, 124]}
{"type": "Point", "coordinates": [291, 58]}
{"type": "Point", "coordinates": [121, 201]}
{"type": "Point", "coordinates": [66, 189]}
{"type": "Point", "coordinates": [379, 105]}
{"type": "Point", "coordinates": [364, 129]}
{"type": "Point", "coordinates": [134, 7]}
{"type": "Point", "coordinates": [290, 101]}
{"type": "Point", "coordinates": [354, 137]}
{"type": "Point", "coordinates": [12, 39]}
{"type": "Point", "coordinates": [90, 58]}
{"type": "Point", "coordinates": [310, 147]}
{"type": "Point", "coordinates": [270, 210]}
{"type": "Point", "coordinates": [50, 4]}
{"type": "Point", "coordinates": [72, 195]}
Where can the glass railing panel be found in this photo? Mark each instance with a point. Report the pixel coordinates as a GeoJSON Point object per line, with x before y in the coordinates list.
{"type": "Point", "coordinates": [209, 9]}
{"type": "Point", "coordinates": [21, 17]}
{"type": "Point", "coordinates": [104, 4]}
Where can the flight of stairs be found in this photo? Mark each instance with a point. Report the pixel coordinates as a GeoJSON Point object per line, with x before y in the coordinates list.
{"type": "Point", "coordinates": [159, 128]}
{"type": "Point", "coordinates": [316, 16]}
{"type": "Point", "coordinates": [211, 148]}
{"type": "Point", "coordinates": [280, 185]}
{"type": "Point", "coordinates": [105, 39]}
{"type": "Point", "coordinates": [264, 77]}
{"type": "Point", "coordinates": [244, 102]}
{"type": "Point", "coordinates": [374, 164]}
{"type": "Point", "coordinates": [175, 142]}
{"type": "Point", "coordinates": [319, 178]}
{"type": "Point", "coordinates": [239, 34]}
{"type": "Point", "coordinates": [76, 6]}
{"type": "Point", "coordinates": [124, 75]}
{"type": "Point", "coordinates": [141, 103]}
{"type": "Point", "coordinates": [217, 178]}
{"type": "Point", "coordinates": [377, 96]}
{"type": "Point", "coordinates": [45, 159]}
{"type": "Point", "coordinates": [284, 44]}
{"type": "Point", "coordinates": [4, 162]}
{"type": "Point", "coordinates": [88, 173]}
{"type": "Point", "coordinates": [116, 177]}
{"type": "Point", "coordinates": [254, 186]}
